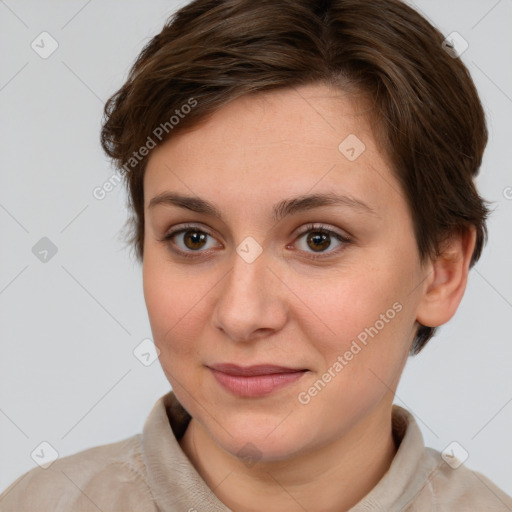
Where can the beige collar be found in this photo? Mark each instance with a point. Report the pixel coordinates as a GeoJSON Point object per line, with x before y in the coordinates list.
{"type": "Point", "coordinates": [176, 485]}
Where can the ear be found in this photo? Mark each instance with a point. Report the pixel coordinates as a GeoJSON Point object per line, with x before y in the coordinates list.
{"type": "Point", "coordinates": [448, 274]}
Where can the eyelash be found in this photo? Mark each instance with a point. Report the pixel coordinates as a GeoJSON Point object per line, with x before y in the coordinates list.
{"type": "Point", "coordinates": [316, 228]}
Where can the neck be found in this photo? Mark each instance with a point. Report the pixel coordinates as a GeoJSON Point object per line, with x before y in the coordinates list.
{"type": "Point", "coordinates": [332, 478]}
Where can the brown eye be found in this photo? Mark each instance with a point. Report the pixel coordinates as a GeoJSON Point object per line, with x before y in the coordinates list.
{"type": "Point", "coordinates": [314, 240]}
{"type": "Point", "coordinates": [194, 240]}
{"type": "Point", "coordinates": [190, 241]}
{"type": "Point", "coordinates": [318, 241]}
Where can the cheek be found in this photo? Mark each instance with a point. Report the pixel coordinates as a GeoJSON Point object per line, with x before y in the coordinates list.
{"type": "Point", "coordinates": [360, 362]}
{"type": "Point", "coordinates": [367, 320]}
{"type": "Point", "coordinates": [344, 305]}
{"type": "Point", "coordinates": [176, 304]}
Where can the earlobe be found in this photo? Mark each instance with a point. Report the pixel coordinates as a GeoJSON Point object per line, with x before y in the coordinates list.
{"type": "Point", "coordinates": [445, 287]}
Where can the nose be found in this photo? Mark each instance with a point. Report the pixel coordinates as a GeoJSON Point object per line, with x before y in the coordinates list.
{"type": "Point", "coordinates": [250, 301]}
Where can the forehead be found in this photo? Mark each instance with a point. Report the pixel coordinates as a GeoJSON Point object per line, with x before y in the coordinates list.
{"type": "Point", "coordinates": [261, 148]}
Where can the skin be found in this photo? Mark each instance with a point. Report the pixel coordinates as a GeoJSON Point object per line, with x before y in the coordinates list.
{"type": "Point", "coordinates": [285, 308]}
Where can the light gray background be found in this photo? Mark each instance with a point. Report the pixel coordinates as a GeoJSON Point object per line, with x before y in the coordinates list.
{"type": "Point", "coordinates": [69, 326]}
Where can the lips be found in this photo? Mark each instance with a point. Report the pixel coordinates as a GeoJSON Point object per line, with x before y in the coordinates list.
{"type": "Point", "coordinates": [249, 371]}
{"type": "Point", "coordinates": [255, 381]}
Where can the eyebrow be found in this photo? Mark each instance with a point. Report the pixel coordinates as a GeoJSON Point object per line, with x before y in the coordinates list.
{"type": "Point", "coordinates": [280, 210]}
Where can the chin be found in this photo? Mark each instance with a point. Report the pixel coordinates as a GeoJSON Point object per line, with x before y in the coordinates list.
{"type": "Point", "coordinates": [260, 440]}
{"type": "Point", "coordinates": [252, 450]}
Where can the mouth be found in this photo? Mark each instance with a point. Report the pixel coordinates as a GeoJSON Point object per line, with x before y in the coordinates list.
{"type": "Point", "coordinates": [249, 371]}
{"type": "Point", "coordinates": [255, 381]}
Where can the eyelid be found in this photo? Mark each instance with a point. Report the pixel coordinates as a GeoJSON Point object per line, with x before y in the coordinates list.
{"type": "Point", "coordinates": [313, 226]}
{"type": "Point", "coordinates": [182, 228]}
{"type": "Point", "coordinates": [343, 237]}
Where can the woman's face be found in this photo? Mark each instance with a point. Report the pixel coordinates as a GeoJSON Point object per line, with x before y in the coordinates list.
{"type": "Point", "coordinates": [264, 287]}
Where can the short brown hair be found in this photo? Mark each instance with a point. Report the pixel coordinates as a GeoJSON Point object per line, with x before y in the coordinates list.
{"type": "Point", "coordinates": [211, 52]}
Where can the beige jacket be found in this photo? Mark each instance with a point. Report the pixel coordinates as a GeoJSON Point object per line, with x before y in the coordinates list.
{"type": "Point", "coordinates": [150, 473]}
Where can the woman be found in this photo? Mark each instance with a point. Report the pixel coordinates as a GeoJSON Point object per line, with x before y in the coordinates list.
{"type": "Point", "coordinates": [301, 179]}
